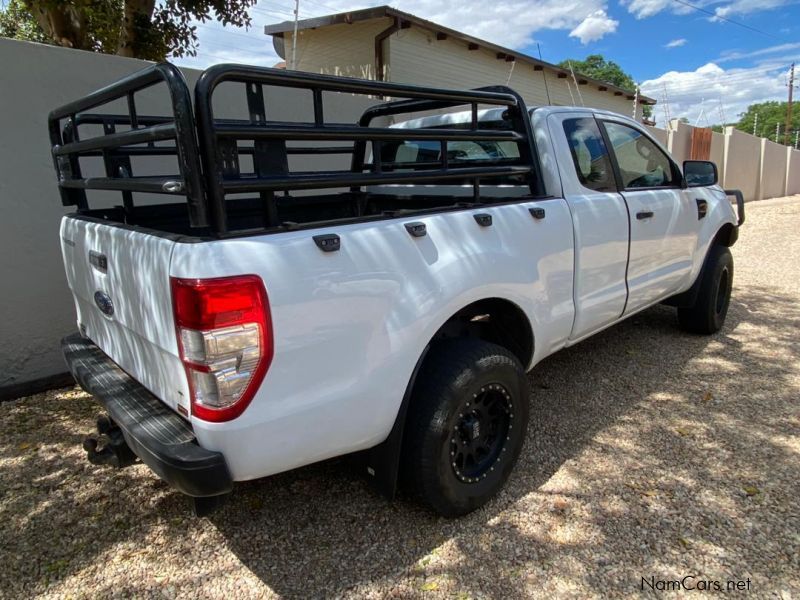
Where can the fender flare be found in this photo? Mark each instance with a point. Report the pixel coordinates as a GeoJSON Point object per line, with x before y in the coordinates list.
{"type": "Point", "coordinates": [726, 235]}
{"type": "Point", "coordinates": [382, 462]}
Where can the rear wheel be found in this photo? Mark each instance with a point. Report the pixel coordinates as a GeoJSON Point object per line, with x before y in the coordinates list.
{"type": "Point", "coordinates": [711, 307]}
{"type": "Point", "coordinates": [467, 421]}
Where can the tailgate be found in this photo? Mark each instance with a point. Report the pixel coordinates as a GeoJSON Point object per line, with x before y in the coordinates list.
{"type": "Point", "coordinates": [119, 280]}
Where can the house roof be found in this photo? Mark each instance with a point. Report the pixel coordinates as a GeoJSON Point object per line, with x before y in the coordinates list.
{"type": "Point", "coordinates": [378, 12]}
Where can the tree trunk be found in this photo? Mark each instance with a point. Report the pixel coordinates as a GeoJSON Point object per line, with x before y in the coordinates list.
{"type": "Point", "coordinates": [135, 12]}
{"type": "Point", "coordinates": [64, 24]}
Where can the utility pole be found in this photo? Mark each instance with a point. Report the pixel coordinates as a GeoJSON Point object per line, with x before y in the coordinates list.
{"type": "Point", "coordinates": [796, 132]}
{"type": "Point", "coordinates": [755, 124]}
{"type": "Point", "coordinates": [294, 34]}
{"type": "Point", "coordinates": [635, 101]}
{"type": "Point", "coordinates": [777, 133]}
{"type": "Point", "coordinates": [788, 127]}
{"type": "Point", "coordinates": [666, 108]}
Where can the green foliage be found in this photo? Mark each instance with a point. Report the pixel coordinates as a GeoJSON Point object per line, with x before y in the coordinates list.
{"type": "Point", "coordinates": [17, 23]}
{"type": "Point", "coordinates": [137, 28]}
{"type": "Point", "coordinates": [597, 67]}
{"type": "Point", "coordinates": [770, 114]}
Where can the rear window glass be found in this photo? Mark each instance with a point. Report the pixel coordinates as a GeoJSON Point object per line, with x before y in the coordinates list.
{"type": "Point", "coordinates": [407, 154]}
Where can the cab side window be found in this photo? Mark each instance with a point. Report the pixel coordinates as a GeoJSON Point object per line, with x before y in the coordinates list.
{"type": "Point", "coordinates": [589, 154]}
{"type": "Point", "coordinates": [641, 163]}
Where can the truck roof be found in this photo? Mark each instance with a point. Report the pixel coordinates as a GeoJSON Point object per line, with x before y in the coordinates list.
{"type": "Point", "coordinates": [496, 114]}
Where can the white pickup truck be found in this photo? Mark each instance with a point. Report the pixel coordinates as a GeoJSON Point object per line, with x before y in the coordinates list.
{"type": "Point", "coordinates": [316, 289]}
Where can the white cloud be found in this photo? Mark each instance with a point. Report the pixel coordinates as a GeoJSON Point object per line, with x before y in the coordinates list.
{"type": "Point", "coordinates": [218, 44]}
{"type": "Point", "coordinates": [594, 27]}
{"type": "Point", "coordinates": [711, 91]}
{"type": "Point", "coordinates": [743, 7]}
{"type": "Point", "coordinates": [642, 9]}
{"type": "Point", "coordinates": [730, 55]}
{"type": "Point", "coordinates": [676, 43]}
{"type": "Point", "coordinates": [510, 23]}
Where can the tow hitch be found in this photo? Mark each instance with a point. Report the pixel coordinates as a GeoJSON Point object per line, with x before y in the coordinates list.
{"type": "Point", "coordinates": [115, 451]}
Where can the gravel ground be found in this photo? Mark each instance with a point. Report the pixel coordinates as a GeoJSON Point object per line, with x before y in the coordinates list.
{"type": "Point", "coordinates": [651, 454]}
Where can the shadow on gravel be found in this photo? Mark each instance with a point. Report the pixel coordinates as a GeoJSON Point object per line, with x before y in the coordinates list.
{"type": "Point", "coordinates": [322, 531]}
{"type": "Point", "coordinates": [696, 420]}
{"type": "Point", "coordinates": [51, 490]}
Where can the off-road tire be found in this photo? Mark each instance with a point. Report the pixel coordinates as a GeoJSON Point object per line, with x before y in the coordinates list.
{"type": "Point", "coordinates": [463, 382]}
{"type": "Point", "coordinates": [707, 316]}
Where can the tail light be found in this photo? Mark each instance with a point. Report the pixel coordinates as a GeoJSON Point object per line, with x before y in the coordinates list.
{"type": "Point", "coordinates": [225, 341]}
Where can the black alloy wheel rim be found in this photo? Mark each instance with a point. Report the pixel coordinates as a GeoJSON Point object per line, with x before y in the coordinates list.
{"type": "Point", "coordinates": [722, 291]}
{"type": "Point", "coordinates": [481, 432]}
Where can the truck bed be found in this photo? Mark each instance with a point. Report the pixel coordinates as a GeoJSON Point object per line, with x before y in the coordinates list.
{"type": "Point", "coordinates": [246, 215]}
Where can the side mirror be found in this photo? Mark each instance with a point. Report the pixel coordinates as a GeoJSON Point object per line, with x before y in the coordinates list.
{"type": "Point", "coordinates": [700, 173]}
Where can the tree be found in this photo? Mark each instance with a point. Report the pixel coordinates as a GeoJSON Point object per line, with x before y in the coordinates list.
{"type": "Point", "coordinates": [135, 28]}
{"type": "Point", "coordinates": [770, 115]}
{"type": "Point", "coordinates": [597, 67]}
{"type": "Point", "coordinates": [17, 23]}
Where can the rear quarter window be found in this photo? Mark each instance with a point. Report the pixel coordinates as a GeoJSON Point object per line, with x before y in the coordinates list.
{"type": "Point", "coordinates": [589, 154]}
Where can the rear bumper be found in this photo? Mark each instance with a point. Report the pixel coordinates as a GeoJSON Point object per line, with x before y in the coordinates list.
{"type": "Point", "coordinates": [158, 436]}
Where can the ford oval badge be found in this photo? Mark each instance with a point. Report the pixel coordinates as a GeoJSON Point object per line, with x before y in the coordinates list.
{"type": "Point", "coordinates": [104, 303]}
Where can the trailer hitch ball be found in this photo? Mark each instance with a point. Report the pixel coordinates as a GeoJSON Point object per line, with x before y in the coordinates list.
{"type": "Point", "coordinates": [103, 456]}
{"type": "Point", "coordinates": [115, 452]}
{"type": "Point", "coordinates": [90, 445]}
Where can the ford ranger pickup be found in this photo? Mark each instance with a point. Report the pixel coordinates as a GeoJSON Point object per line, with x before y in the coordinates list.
{"type": "Point", "coordinates": [255, 294]}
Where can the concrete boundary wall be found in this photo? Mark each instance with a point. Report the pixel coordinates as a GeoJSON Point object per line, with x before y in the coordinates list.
{"type": "Point", "coordinates": [37, 308]}
{"type": "Point", "coordinates": [718, 153]}
{"type": "Point", "coordinates": [792, 172]}
{"type": "Point", "coordinates": [680, 141]}
{"type": "Point", "coordinates": [772, 182]}
{"type": "Point", "coordinates": [742, 162]}
{"type": "Point", "coordinates": [757, 166]}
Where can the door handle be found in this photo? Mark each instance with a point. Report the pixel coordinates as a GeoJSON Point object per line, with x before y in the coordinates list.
{"type": "Point", "coordinates": [644, 214]}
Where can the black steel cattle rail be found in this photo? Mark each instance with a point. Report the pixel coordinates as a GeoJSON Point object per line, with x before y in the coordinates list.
{"type": "Point", "coordinates": [209, 148]}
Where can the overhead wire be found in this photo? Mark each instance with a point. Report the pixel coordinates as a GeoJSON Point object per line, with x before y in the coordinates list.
{"type": "Point", "coordinates": [726, 19]}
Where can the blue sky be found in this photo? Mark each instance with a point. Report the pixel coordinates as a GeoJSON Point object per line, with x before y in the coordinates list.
{"type": "Point", "coordinates": [706, 68]}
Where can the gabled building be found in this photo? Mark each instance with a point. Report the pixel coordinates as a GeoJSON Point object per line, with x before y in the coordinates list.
{"type": "Point", "coordinates": [387, 44]}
